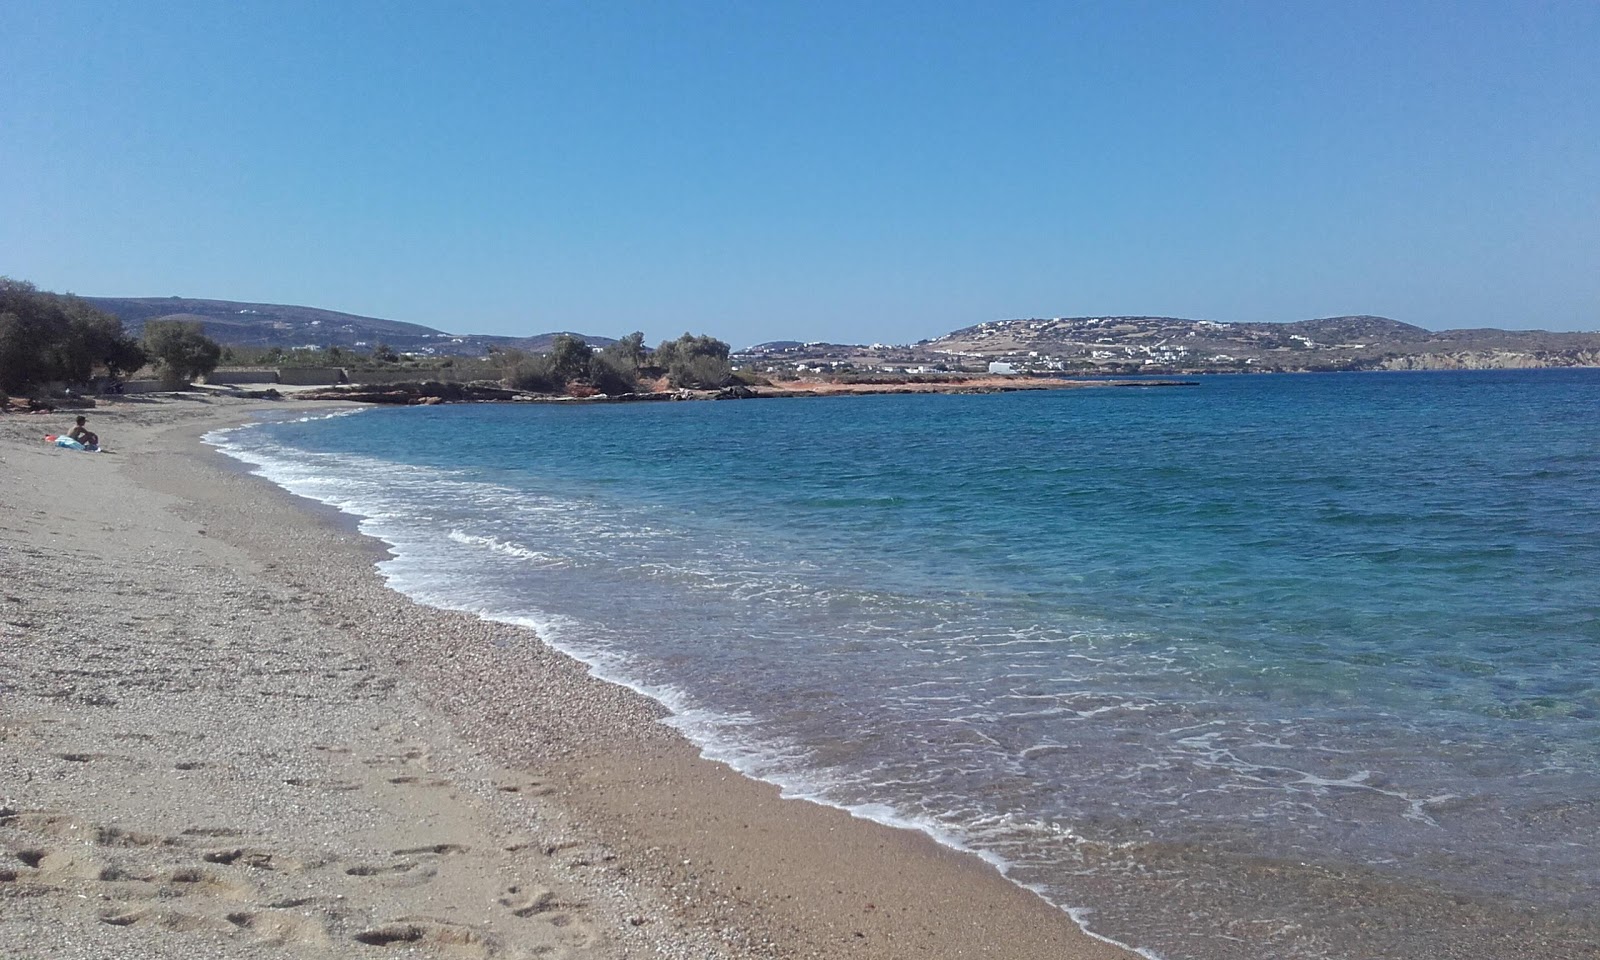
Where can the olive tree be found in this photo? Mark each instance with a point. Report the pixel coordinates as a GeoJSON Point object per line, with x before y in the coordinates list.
{"type": "Point", "coordinates": [48, 337]}
{"type": "Point", "coordinates": [180, 349]}
{"type": "Point", "coordinates": [696, 362]}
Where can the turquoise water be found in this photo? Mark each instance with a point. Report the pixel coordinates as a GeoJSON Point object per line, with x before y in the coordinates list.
{"type": "Point", "coordinates": [1119, 641]}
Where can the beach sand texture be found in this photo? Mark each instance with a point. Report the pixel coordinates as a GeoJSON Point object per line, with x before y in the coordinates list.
{"type": "Point", "coordinates": [222, 736]}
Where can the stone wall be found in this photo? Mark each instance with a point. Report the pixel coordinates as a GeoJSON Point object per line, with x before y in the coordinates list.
{"type": "Point", "coordinates": [311, 376]}
{"type": "Point", "coordinates": [242, 375]}
{"type": "Point", "coordinates": [144, 386]}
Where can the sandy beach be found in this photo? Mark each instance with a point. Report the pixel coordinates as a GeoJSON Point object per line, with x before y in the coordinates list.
{"type": "Point", "coordinates": [221, 735]}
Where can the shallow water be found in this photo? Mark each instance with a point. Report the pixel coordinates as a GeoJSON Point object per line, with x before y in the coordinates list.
{"type": "Point", "coordinates": [1176, 656]}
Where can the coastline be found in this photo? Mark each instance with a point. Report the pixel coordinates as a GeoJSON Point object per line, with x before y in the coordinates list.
{"type": "Point", "coordinates": [431, 392]}
{"type": "Point", "coordinates": [563, 796]}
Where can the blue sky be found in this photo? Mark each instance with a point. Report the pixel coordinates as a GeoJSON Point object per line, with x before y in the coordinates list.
{"type": "Point", "coordinates": [842, 171]}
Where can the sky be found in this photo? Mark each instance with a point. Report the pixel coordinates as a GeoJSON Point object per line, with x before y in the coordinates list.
{"type": "Point", "coordinates": [843, 171]}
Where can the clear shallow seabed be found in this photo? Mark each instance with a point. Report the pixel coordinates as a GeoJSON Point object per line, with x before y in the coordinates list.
{"type": "Point", "coordinates": [1173, 658]}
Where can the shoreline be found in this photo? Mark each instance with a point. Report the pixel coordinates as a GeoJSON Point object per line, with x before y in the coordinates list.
{"type": "Point", "coordinates": [671, 849]}
{"type": "Point", "coordinates": [435, 392]}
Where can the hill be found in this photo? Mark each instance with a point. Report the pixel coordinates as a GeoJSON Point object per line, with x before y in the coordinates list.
{"type": "Point", "coordinates": [1330, 343]}
{"type": "Point", "coordinates": [1120, 344]}
{"type": "Point", "coordinates": [236, 323]}
{"type": "Point", "coordinates": [1132, 344]}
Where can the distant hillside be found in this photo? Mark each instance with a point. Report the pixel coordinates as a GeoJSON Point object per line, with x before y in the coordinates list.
{"type": "Point", "coordinates": [1361, 329]}
{"type": "Point", "coordinates": [1123, 344]}
{"type": "Point", "coordinates": [1330, 343]}
{"type": "Point", "coordinates": [796, 346]}
{"type": "Point", "coordinates": [1069, 335]}
{"type": "Point", "coordinates": [278, 325]}
{"type": "Point", "coordinates": [541, 343]}
{"type": "Point", "coordinates": [1133, 344]}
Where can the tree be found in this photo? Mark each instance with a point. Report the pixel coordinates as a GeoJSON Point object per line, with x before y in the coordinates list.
{"type": "Point", "coordinates": [181, 349]}
{"type": "Point", "coordinates": [628, 351]}
{"type": "Point", "coordinates": [612, 374]}
{"type": "Point", "coordinates": [534, 373]}
{"type": "Point", "coordinates": [569, 358]}
{"type": "Point", "coordinates": [22, 360]}
{"type": "Point", "coordinates": [47, 336]}
{"type": "Point", "coordinates": [119, 353]}
{"type": "Point", "coordinates": [695, 362]}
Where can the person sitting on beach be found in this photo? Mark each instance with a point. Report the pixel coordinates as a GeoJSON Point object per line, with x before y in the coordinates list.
{"type": "Point", "coordinates": [84, 435]}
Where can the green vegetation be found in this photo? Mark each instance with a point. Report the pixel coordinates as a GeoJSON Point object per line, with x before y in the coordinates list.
{"type": "Point", "coordinates": [574, 367]}
{"type": "Point", "coordinates": [629, 350]}
{"type": "Point", "coordinates": [615, 369]}
{"type": "Point", "coordinates": [532, 372]}
{"type": "Point", "coordinates": [382, 365]}
{"type": "Point", "coordinates": [180, 350]}
{"type": "Point", "coordinates": [48, 338]}
{"type": "Point", "coordinates": [699, 363]}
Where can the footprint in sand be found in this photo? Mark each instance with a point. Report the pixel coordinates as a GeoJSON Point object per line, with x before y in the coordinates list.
{"type": "Point", "coordinates": [380, 870]}
{"type": "Point", "coordinates": [407, 754]}
{"type": "Point", "coordinates": [117, 873]}
{"type": "Point", "coordinates": [438, 935]}
{"type": "Point", "coordinates": [213, 832]}
{"type": "Point", "coordinates": [340, 785]}
{"type": "Point", "coordinates": [256, 859]}
{"type": "Point", "coordinates": [539, 901]}
{"type": "Point", "coordinates": [280, 929]}
{"type": "Point", "coordinates": [179, 897]}
{"type": "Point", "coordinates": [543, 904]}
{"type": "Point", "coordinates": [164, 919]}
{"type": "Point", "coordinates": [118, 837]}
{"type": "Point", "coordinates": [86, 757]}
{"type": "Point", "coordinates": [411, 781]}
{"type": "Point", "coordinates": [61, 866]}
{"type": "Point", "coordinates": [439, 849]}
{"type": "Point", "coordinates": [32, 858]}
{"type": "Point", "coordinates": [185, 880]}
{"type": "Point", "coordinates": [39, 822]}
{"type": "Point", "coordinates": [529, 788]}
{"type": "Point", "coordinates": [48, 823]}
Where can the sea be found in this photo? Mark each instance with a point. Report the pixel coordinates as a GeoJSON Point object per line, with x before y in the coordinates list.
{"type": "Point", "coordinates": [1264, 666]}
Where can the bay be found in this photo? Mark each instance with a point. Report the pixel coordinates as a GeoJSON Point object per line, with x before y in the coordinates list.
{"type": "Point", "coordinates": [1181, 660]}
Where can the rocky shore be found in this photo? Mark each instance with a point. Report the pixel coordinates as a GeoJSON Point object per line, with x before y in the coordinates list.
{"type": "Point", "coordinates": [435, 392]}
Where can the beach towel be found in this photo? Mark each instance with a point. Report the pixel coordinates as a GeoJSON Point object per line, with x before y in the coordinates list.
{"type": "Point", "coordinates": [69, 443]}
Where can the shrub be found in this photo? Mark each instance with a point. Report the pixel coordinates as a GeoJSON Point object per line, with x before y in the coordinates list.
{"type": "Point", "coordinates": [534, 374]}
{"type": "Point", "coordinates": [700, 373]}
{"type": "Point", "coordinates": [569, 358]}
{"type": "Point", "coordinates": [180, 349]}
{"type": "Point", "coordinates": [629, 351]}
{"type": "Point", "coordinates": [610, 373]}
{"type": "Point", "coordinates": [695, 362]}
